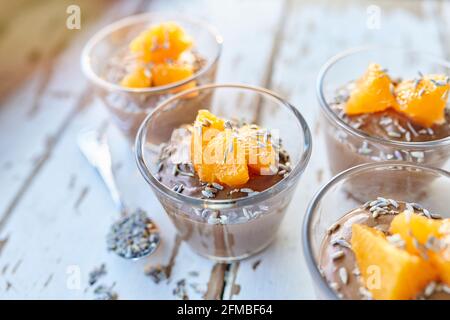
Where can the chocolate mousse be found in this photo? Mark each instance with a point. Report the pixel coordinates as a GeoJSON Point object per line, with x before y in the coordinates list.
{"type": "Point", "coordinates": [224, 233]}
{"type": "Point", "coordinates": [393, 110]}
{"type": "Point", "coordinates": [177, 172]}
{"type": "Point", "coordinates": [400, 229]}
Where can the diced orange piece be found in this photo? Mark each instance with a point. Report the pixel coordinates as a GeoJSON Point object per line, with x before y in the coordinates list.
{"type": "Point", "coordinates": [220, 161]}
{"type": "Point", "coordinates": [162, 42]}
{"type": "Point", "coordinates": [389, 273]}
{"type": "Point", "coordinates": [187, 57]}
{"type": "Point", "coordinates": [442, 260]}
{"type": "Point", "coordinates": [442, 264]}
{"type": "Point", "coordinates": [423, 101]}
{"type": "Point", "coordinates": [373, 92]}
{"type": "Point", "coordinates": [204, 168]}
{"type": "Point", "coordinates": [260, 154]}
{"type": "Point", "coordinates": [138, 78]}
{"type": "Point", "coordinates": [167, 73]}
{"type": "Point", "coordinates": [226, 155]}
{"type": "Point", "coordinates": [415, 226]}
{"type": "Point", "coordinates": [232, 175]}
{"type": "Point", "coordinates": [209, 120]}
{"type": "Point", "coordinates": [206, 127]}
{"type": "Point", "coordinates": [230, 167]}
{"type": "Point", "coordinates": [205, 172]}
{"type": "Point", "coordinates": [421, 229]}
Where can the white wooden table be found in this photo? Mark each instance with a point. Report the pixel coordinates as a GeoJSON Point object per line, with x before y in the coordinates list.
{"type": "Point", "coordinates": [54, 210]}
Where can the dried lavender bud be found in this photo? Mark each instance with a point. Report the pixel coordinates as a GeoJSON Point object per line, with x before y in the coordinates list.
{"type": "Point", "coordinates": [133, 236]}
{"type": "Point", "coordinates": [96, 274]}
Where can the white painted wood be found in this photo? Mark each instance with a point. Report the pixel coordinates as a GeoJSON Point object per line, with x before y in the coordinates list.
{"type": "Point", "coordinates": [61, 221]}
{"type": "Point", "coordinates": [443, 11]}
{"type": "Point", "coordinates": [314, 32]}
{"type": "Point", "coordinates": [27, 137]}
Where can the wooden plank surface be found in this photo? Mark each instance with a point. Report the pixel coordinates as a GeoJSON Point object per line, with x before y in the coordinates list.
{"type": "Point", "coordinates": [60, 222]}
{"type": "Point", "coordinates": [315, 31]}
{"type": "Point", "coordinates": [54, 211]}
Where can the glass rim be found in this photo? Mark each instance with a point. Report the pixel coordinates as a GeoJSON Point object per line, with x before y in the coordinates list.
{"type": "Point", "coordinates": [307, 222]}
{"type": "Point", "coordinates": [332, 116]}
{"type": "Point", "coordinates": [133, 19]}
{"type": "Point", "coordinates": [301, 164]}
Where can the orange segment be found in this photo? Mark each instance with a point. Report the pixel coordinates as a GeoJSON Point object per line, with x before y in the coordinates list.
{"type": "Point", "coordinates": [413, 225]}
{"type": "Point", "coordinates": [389, 273]}
{"type": "Point", "coordinates": [209, 120]}
{"type": "Point", "coordinates": [424, 100]}
{"type": "Point", "coordinates": [225, 152]}
{"type": "Point", "coordinates": [166, 73]}
{"type": "Point", "coordinates": [442, 264]}
{"type": "Point", "coordinates": [162, 42]}
{"type": "Point", "coordinates": [211, 154]}
{"type": "Point", "coordinates": [443, 260]}
{"type": "Point", "coordinates": [204, 169]}
{"type": "Point", "coordinates": [373, 92]}
{"type": "Point", "coordinates": [221, 153]}
{"type": "Point", "coordinates": [233, 175]}
{"type": "Point", "coordinates": [205, 172]}
{"type": "Point", "coordinates": [423, 230]}
{"type": "Point", "coordinates": [259, 151]}
{"type": "Point", "coordinates": [206, 127]}
{"type": "Point", "coordinates": [138, 78]}
{"type": "Point", "coordinates": [220, 159]}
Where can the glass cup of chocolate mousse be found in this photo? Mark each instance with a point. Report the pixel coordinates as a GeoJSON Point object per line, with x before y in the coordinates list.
{"type": "Point", "coordinates": [389, 242]}
{"type": "Point", "coordinates": [139, 61]}
{"type": "Point", "coordinates": [224, 160]}
{"type": "Point", "coordinates": [385, 104]}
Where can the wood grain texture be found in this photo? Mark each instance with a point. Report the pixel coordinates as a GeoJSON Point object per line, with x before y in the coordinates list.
{"type": "Point", "coordinates": [57, 212]}
{"type": "Point", "coordinates": [31, 140]}
{"type": "Point", "coordinates": [315, 31]}
{"type": "Point", "coordinates": [23, 27]}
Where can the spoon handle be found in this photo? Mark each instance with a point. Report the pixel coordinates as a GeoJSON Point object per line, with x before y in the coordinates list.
{"type": "Point", "coordinates": [96, 150]}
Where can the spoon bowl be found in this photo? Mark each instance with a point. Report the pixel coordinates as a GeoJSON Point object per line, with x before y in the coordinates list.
{"type": "Point", "coordinates": [134, 235]}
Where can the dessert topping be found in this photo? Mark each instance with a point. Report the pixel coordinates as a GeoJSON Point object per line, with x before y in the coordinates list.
{"type": "Point", "coordinates": [373, 92]}
{"type": "Point", "coordinates": [166, 73]}
{"type": "Point", "coordinates": [422, 100]}
{"type": "Point", "coordinates": [160, 57]}
{"type": "Point", "coordinates": [140, 77]}
{"type": "Point", "coordinates": [408, 259]}
{"type": "Point", "coordinates": [160, 42]}
{"type": "Point", "coordinates": [225, 153]}
{"type": "Point", "coordinates": [389, 273]}
{"type": "Point", "coordinates": [427, 238]}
